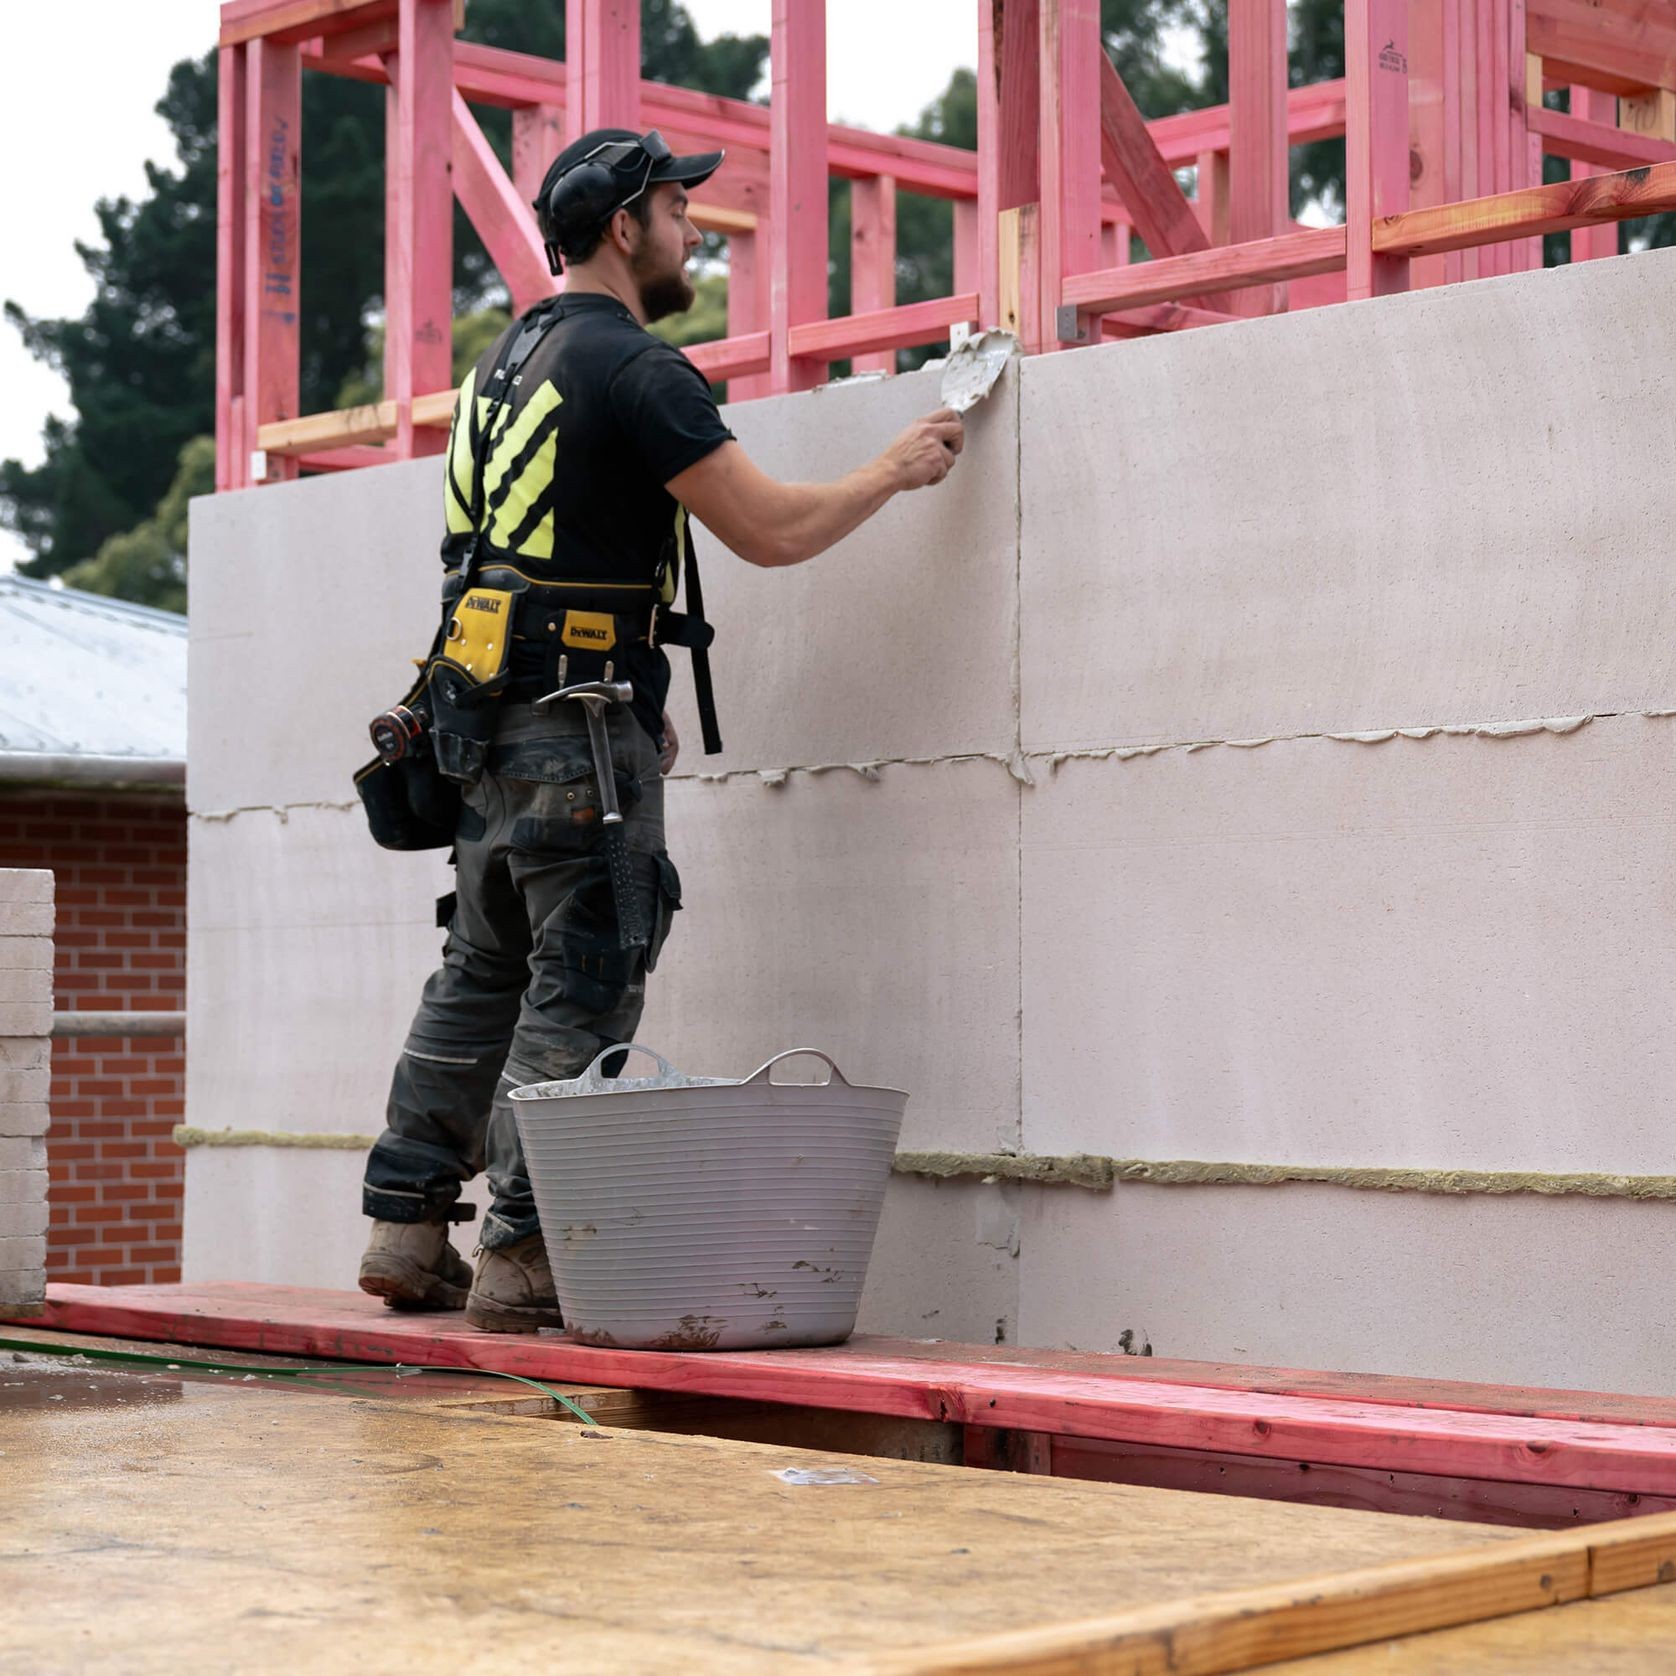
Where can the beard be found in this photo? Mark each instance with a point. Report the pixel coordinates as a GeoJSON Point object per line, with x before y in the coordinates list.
{"type": "Point", "coordinates": [663, 290]}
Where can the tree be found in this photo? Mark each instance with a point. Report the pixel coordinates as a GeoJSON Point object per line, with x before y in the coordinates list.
{"type": "Point", "coordinates": [140, 359]}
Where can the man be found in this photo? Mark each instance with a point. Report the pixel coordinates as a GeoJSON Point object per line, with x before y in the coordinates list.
{"type": "Point", "coordinates": [570, 474]}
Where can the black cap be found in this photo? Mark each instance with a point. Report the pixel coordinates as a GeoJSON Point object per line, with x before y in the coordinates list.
{"type": "Point", "coordinates": [620, 165]}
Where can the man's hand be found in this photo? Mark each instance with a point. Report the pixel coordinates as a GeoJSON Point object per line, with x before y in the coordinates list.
{"type": "Point", "coordinates": [671, 746]}
{"type": "Point", "coordinates": [925, 453]}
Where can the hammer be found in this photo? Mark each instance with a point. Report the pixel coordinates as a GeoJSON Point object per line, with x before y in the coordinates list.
{"type": "Point", "coordinates": [594, 696]}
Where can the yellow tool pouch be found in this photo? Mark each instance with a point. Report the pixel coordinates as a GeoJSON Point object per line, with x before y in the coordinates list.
{"type": "Point", "coordinates": [478, 637]}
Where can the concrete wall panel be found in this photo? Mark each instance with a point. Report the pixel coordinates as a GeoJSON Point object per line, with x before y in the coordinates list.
{"type": "Point", "coordinates": [898, 642]}
{"type": "Point", "coordinates": [1448, 953]}
{"type": "Point", "coordinates": [309, 602]}
{"type": "Point", "coordinates": [1523, 1290]}
{"type": "Point", "coordinates": [876, 920]}
{"type": "Point", "coordinates": [1451, 506]}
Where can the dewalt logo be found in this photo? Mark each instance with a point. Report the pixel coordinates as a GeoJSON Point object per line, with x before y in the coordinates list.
{"type": "Point", "coordinates": [593, 631]}
{"type": "Point", "coordinates": [482, 602]}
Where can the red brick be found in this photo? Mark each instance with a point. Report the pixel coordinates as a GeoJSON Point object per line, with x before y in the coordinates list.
{"type": "Point", "coordinates": [96, 1170]}
{"type": "Point", "coordinates": [123, 1192]}
{"type": "Point", "coordinates": [155, 1213]}
{"type": "Point", "coordinates": [86, 1214]}
{"type": "Point", "coordinates": [72, 1193]}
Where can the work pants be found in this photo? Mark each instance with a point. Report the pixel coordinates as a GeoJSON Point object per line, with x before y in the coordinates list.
{"type": "Point", "coordinates": [533, 982]}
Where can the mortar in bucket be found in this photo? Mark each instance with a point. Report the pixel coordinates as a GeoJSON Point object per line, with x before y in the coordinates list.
{"type": "Point", "coordinates": [708, 1213]}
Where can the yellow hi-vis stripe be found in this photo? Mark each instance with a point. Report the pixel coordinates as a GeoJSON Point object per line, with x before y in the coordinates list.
{"type": "Point", "coordinates": [673, 580]}
{"type": "Point", "coordinates": [461, 466]}
{"type": "Point", "coordinates": [535, 478]}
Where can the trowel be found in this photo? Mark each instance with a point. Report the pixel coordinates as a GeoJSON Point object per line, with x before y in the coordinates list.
{"type": "Point", "coordinates": [973, 366]}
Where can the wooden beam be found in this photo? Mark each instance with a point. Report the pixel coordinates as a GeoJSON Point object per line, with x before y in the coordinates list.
{"type": "Point", "coordinates": [1162, 317]}
{"type": "Point", "coordinates": [1234, 1631]}
{"type": "Point", "coordinates": [1317, 250]}
{"type": "Point", "coordinates": [1018, 68]}
{"type": "Point", "coordinates": [1652, 114]}
{"type": "Point", "coordinates": [1592, 106]}
{"type": "Point", "coordinates": [1071, 56]}
{"type": "Point", "coordinates": [1258, 169]}
{"type": "Point", "coordinates": [1621, 50]}
{"type": "Point", "coordinates": [419, 224]}
{"type": "Point", "coordinates": [602, 48]}
{"type": "Point", "coordinates": [287, 22]}
{"type": "Point", "coordinates": [538, 136]}
{"type": "Point", "coordinates": [1316, 112]}
{"type": "Point", "coordinates": [873, 259]}
{"type": "Point", "coordinates": [1538, 209]}
{"type": "Point", "coordinates": [1144, 181]}
{"type": "Point", "coordinates": [491, 202]}
{"type": "Point", "coordinates": [1018, 289]}
{"type": "Point", "coordinates": [1586, 140]}
{"type": "Point", "coordinates": [272, 236]}
{"type": "Point", "coordinates": [232, 445]}
{"type": "Point", "coordinates": [373, 422]}
{"type": "Point", "coordinates": [1433, 123]}
{"type": "Point", "coordinates": [797, 184]}
{"type": "Point", "coordinates": [985, 227]}
{"type": "Point", "coordinates": [730, 358]}
{"type": "Point", "coordinates": [1376, 139]}
{"type": "Point", "coordinates": [748, 305]}
{"type": "Point", "coordinates": [890, 328]}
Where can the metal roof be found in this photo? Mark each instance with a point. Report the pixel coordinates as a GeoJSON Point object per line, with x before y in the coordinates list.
{"type": "Point", "coordinates": [83, 676]}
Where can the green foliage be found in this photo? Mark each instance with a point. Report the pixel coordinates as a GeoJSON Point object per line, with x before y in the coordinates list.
{"type": "Point", "coordinates": [473, 333]}
{"type": "Point", "coordinates": [148, 563]}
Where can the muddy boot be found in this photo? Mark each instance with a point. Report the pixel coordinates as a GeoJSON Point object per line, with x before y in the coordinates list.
{"type": "Point", "coordinates": [512, 1291]}
{"type": "Point", "coordinates": [411, 1265]}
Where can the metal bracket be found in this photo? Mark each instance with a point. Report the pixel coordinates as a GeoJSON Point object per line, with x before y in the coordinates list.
{"type": "Point", "coordinates": [1069, 325]}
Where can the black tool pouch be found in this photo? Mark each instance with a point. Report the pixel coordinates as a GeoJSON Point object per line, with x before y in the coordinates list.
{"type": "Point", "coordinates": [409, 805]}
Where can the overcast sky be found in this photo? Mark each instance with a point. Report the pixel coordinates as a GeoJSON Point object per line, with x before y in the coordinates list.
{"type": "Point", "coordinates": [64, 150]}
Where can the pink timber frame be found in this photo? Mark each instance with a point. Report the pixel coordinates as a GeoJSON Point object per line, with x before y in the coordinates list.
{"type": "Point", "coordinates": [1440, 111]}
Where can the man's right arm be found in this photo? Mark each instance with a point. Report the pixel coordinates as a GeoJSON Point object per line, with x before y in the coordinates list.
{"type": "Point", "coordinates": [771, 523]}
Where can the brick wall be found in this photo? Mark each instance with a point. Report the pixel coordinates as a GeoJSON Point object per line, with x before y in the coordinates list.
{"type": "Point", "coordinates": [115, 1174]}
{"type": "Point", "coordinates": [25, 1019]}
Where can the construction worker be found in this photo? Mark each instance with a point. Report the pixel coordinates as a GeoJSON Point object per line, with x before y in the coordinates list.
{"type": "Point", "coordinates": [580, 444]}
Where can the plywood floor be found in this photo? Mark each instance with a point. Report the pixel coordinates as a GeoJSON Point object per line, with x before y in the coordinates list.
{"type": "Point", "coordinates": [150, 1523]}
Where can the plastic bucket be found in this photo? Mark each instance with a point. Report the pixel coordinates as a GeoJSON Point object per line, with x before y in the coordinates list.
{"type": "Point", "coordinates": [705, 1213]}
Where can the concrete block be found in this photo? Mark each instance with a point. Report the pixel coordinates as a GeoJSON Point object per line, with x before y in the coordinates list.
{"type": "Point", "coordinates": [26, 954]}
{"type": "Point", "coordinates": [899, 641]}
{"type": "Point", "coordinates": [945, 1263]}
{"type": "Point", "coordinates": [27, 985]}
{"type": "Point", "coordinates": [22, 1054]}
{"type": "Point", "coordinates": [23, 1204]}
{"type": "Point", "coordinates": [26, 1018]}
{"type": "Point", "coordinates": [22, 1253]}
{"type": "Point", "coordinates": [297, 1028]}
{"type": "Point", "coordinates": [306, 867]}
{"type": "Point", "coordinates": [1452, 953]}
{"type": "Point", "coordinates": [21, 1152]}
{"type": "Point", "coordinates": [1521, 1290]}
{"type": "Point", "coordinates": [22, 1294]}
{"type": "Point", "coordinates": [309, 601]}
{"type": "Point", "coordinates": [877, 921]}
{"type": "Point", "coordinates": [1215, 547]}
{"type": "Point", "coordinates": [27, 1116]}
{"type": "Point", "coordinates": [26, 884]}
{"type": "Point", "coordinates": [25, 919]}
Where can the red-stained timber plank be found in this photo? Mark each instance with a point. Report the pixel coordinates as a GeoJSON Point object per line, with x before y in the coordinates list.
{"type": "Point", "coordinates": [272, 237]}
{"type": "Point", "coordinates": [1591, 107]}
{"type": "Point", "coordinates": [1317, 250]}
{"type": "Point", "coordinates": [1258, 206]}
{"type": "Point", "coordinates": [873, 260]}
{"type": "Point", "coordinates": [986, 282]}
{"type": "Point", "coordinates": [602, 44]}
{"type": "Point", "coordinates": [1069, 138]}
{"type": "Point", "coordinates": [890, 328]}
{"type": "Point", "coordinates": [1376, 143]}
{"type": "Point", "coordinates": [748, 305]}
{"type": "Point", "coordinates": [419, 220]}
{"type": "Point", "coordinates": [503, 223]}
{"type": "Point", "coordinates": [1615, 48]}
{"type": "Point", "coordinates": [1144, 181]}
{"type": "Point", "coordinates": [731, 357]}
{"type": "Point", "coordinates": [797, 184]}
{"type": "Point", "coordinates": [1585, 141]}
{"type": "Point", "coordinates": [537, 138]}
{"type": "Point", "coordinates": [1538, 209]}
{"type": "Point", "coordinates": [232, 448]}
{"type": "Point", "coordinates": [1093, 1397]}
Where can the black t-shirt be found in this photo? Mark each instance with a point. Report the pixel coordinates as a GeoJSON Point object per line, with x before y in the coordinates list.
{"type": "Point", "coordinates": [601, 416]}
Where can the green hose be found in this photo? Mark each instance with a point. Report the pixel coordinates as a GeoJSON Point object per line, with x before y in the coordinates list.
{"type": "Point", "coordinates": [313, 1372]}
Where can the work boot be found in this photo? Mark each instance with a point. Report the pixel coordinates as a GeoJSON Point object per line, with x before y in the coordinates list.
{"type": "Point", "coordinates": [411, 1265]}
{"type": "Point", "coordinates": [512, 1291]}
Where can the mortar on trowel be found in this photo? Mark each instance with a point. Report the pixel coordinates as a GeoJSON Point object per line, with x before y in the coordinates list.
{"type": "Point", "coordinates": [709, 1213]}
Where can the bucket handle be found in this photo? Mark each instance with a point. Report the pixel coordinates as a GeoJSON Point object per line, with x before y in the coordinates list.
{"type": "Point", "coordinates": [762, 1073]}
{"type": "Point", "coordinates": [592, 1079]}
